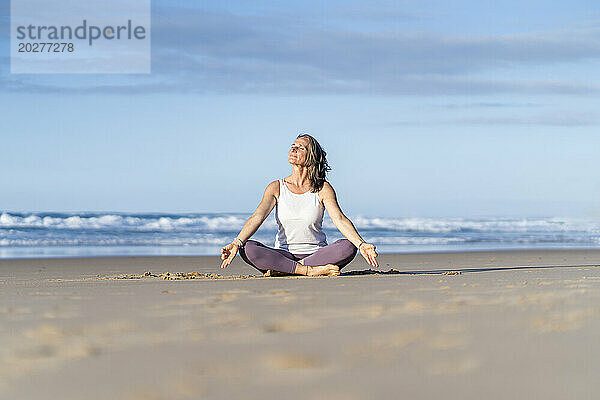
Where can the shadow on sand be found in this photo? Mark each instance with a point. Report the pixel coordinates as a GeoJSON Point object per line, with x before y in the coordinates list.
{"type": "Point", "coordinates": [457, 271]}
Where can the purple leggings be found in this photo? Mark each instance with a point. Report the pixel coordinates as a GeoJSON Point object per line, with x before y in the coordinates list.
{"type": "Point", "coordinates": [261, 257]}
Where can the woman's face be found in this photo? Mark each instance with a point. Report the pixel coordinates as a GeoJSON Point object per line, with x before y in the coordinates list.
{"type": "Point", "coordinates": [298, 152]}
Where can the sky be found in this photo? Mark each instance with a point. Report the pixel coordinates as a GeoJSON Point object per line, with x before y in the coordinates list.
{"type": "Point", "coordinates": [425, 108]}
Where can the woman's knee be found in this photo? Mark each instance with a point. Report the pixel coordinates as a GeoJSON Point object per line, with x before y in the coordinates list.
{"type": "Point", "coordinates": [251, 242]}
{"type": "Point", "coordinates": [250, 253]}
{"type": "Point", "coordinates": [347, 248]}
{"type": "Point", "coordinates": [250, 248]}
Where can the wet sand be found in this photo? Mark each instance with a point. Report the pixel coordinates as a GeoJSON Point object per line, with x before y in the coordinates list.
{"type": "Point", "coordinates": [493, 325]}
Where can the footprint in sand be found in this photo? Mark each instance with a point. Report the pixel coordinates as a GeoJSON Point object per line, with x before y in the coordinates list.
{"type": "Point", "coordinates": [280, 361]}
{"type": "Point", "coordinates": [189, 301]}
{"type": "Point", "coordinates": [279, 296]}
{"type": "Point", "coordinates": [445, 342]}
{"type": "Point", "coordinates": [374, 311]}
{"type": "Point", "coordinates": [196, 335]}
{"type": "Point", "coordinates": [286, 299]}
{"type": "Point", "coordinates": [385, 348]}
{"type": "Point", "coordinates": [398, 339]}
{"type": "Point", "coordinates": [277, 292]}
{"type": "Point", "coordinates": [414, 306]}
{"type": "Point", "coordinates": [60, 314]}
{"type": "Point", "coordinates": [226, 297]}
{"type": "Point", "coordinates": [457, 366]}
{"type": "Point", "coordinates": [15, 310]}
{"type": "Point", "coordinates": [292, 324]}
{"type": "Point", "coordinates": [562, 321]}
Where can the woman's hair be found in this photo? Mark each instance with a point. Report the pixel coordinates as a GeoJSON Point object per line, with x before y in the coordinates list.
{"type": "Point", "coordinates": [316, 161]}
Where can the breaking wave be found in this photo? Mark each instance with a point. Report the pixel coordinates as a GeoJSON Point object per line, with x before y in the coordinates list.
{"type": "Point", "coordinates": [205, 232]}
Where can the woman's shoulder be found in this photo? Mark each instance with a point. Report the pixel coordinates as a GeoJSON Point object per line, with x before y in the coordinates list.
{"type": "Point", "coordinates": [326, 187]}
{"type": "Point", "coordinates": [326, 191]}
{"type": "Point", "coordinates": [273, 188]}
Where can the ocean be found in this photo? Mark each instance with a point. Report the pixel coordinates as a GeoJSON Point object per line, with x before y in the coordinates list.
{"type": "Point", "coordinates": [53, 234]}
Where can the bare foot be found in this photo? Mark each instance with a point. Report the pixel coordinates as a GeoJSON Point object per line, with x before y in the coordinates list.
{"type": "Point", "coordinates": [324, 270]}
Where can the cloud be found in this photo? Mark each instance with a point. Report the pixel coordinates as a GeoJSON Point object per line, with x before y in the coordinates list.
{"type": "Point", "coordinates": [195, 51]}
{"type": "Point", "coordinates": [558, 119]}
{"type": "Point", "coordinates": [363, 55]}
{"type": "Point", "coordinates": [486, 105]}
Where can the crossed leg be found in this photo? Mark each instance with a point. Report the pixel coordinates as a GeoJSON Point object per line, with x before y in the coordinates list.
{"type": "Point", "coordinates": [340, 253]}
{"type": "Point", "coordinates": [263, 258]}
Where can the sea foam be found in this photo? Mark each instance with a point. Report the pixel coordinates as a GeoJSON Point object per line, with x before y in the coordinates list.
{"type": "Point", "coordinates": [206, 232]}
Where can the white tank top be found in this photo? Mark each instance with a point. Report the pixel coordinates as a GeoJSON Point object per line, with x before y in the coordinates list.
{"type": "Point", "coordinates": [300, 221]}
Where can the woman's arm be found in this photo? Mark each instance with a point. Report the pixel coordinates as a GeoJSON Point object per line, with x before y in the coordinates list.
{"type": "Point", "coordinates": [262, 212]}
{"type": "Point", "coordinates": [252, 224]}
{"type": "Point", "coordinates": [341, 222]}
{"type": "Point", "coordinates": [345, 226]}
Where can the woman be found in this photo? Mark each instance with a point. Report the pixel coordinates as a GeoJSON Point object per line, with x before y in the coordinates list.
{"type": "Point", "coordinates": [300, 245]}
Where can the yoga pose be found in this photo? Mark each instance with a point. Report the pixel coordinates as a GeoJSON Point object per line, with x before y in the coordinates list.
{"type": "Point", "coordinates": [300, 199]}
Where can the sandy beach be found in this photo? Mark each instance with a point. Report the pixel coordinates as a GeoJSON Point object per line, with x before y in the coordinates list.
{"type": "Point", "coordinates": [464, 325]}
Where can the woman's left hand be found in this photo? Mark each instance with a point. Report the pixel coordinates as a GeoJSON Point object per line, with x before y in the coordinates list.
{"type": "Point", "coordinates": [367, 250]}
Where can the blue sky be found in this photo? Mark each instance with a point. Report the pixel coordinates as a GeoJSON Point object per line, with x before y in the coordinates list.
{"type": "Point", "coordinates": [428, 108]}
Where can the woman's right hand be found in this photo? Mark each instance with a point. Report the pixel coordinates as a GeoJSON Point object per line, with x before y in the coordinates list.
{"type": "Point", "coordinates": [228, 254]}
